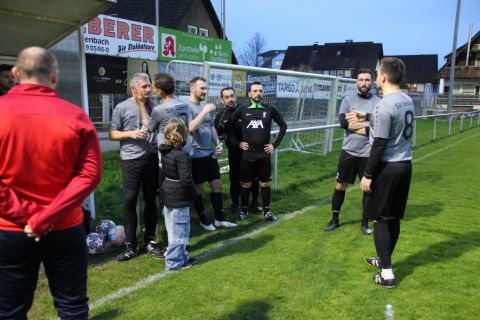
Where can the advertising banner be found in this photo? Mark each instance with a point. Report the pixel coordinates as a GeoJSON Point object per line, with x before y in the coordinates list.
{"type": "Point", "coordinates": [107, 75]}
{"type": "Point", "coordinates": [345, 89]}
{"type": "Point", "coordinates": [111, 36]}
{"type": "Point", "coordinates": [239, 83]}
{"type": "Point", "coordinates": [293, 87]}
{"type": "Point", "coordinates": [288, 87]}
{"type": "Point", "coordinates": [179, 45]}
{"type": "Point", "coordinates": [269, 82]}
{"type": "Point", "coordinates": [219, 79]}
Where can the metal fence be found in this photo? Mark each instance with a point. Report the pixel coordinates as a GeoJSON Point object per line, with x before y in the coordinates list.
{"type": "Point", "coordinates": [304, 99]}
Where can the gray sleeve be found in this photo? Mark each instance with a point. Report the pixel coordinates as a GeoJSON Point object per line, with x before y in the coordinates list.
{"type": "Point", "coordinates": [154, 122]}
{"type": "Point", "coordinates": [345, 106]}
{"type": "Point", "coordinates": [116, 123]}
{"type": "Point", "coordinates": [383, 121]}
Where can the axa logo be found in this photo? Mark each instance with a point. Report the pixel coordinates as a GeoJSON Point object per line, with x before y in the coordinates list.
{"type": "Point", "coordinates": [255, 124]}
{"type": "Point", "coordinates": [169, 44]}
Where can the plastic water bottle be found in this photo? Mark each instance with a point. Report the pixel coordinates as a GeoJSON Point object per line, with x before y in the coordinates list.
{"type": "Point", "coordinates": [389, 314]}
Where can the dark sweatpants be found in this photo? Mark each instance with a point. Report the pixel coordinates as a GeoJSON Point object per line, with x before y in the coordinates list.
{"type": "Point", "coordinates": [140, 173]}
{"type": "Point", "coordinates": [64, 257]}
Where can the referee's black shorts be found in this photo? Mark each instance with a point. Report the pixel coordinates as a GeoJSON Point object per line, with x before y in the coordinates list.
{"type": "Point", "coordinates": [205, 169]}
{"type": "Point", "coordinates": [234, 163]}
{"type": "Point", "coordinates": [251, 169]}
{"type": "Point", "coordinates": [349, 167]}
{"type": "Point", "coordinates": [390, 187]}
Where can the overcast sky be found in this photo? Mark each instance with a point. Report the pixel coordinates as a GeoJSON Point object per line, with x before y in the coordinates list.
{"type": "Point", "coordinates": [402, 26]}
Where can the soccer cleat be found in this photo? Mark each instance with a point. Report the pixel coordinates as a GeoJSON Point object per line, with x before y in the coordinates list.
{"type": "Point", "coordinates": [387, 283]}
{"type": "Point", "coordinates": [128, 253]}
{"type": "Point", "coordinates": [366, 230]}
{"type": "Point", "coordinates": [243, 215]}
{"type": "Point", "coordinates": [269, 216]}
{"type": "Point", "coordinates": [373, 261]}
{"type": "Point", "coordinates": [208, 227]}
{"type": "Point", "coordinates": [332, 225]}
{"type": "Point", "coordinates": [225, 224]}
{"type": "Point", "coordinates": [153, 248]}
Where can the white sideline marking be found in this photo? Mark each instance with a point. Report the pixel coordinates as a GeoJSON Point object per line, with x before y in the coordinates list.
{"type": "Point", "coordinates": [445, 148]}
{"type": "Point", "coordinates": [120, 293]}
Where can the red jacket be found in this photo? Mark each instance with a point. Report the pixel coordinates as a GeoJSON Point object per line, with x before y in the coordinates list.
{"type": "Point", "coordinates": [50, 160]}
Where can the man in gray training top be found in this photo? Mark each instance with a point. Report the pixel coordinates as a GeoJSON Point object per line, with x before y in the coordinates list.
{"type": "Point", "coordinates": [386, 180]}
{"type": "Point", "coordinates": [356, 148]}
{"type": "Point", "coordinates": [204, 155]}
{"type": "Point", "coordinates": [140, 165]}
{"type": "Point", "coordinates": [170, 107]}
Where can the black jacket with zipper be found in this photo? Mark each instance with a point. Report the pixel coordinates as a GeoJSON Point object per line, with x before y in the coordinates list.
{"type": "Point", "coordinates": [177, 188]}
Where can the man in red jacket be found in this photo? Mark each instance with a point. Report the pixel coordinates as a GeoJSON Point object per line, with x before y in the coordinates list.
{"type": "Point", "coordinates": [50, 161]}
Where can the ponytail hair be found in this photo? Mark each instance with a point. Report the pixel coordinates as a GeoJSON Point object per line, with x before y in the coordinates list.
{"type": "Point", "coordinates": [175, 132]}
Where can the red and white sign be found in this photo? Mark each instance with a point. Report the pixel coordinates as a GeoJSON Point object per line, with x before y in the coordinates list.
{"type": "Point", "coordinates": [169, 45]}
{"type": "Point", "coordinates": [105, 35]}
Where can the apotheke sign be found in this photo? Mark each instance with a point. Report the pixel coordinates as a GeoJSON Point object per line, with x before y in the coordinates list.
{"type": "Point", "coordinates": [105, 35]}
{"type": "Point", "coordinates": [180, 45]}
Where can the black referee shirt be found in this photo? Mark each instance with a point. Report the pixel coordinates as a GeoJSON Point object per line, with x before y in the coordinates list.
{"type": "Point", "coordinates": [256, 124]}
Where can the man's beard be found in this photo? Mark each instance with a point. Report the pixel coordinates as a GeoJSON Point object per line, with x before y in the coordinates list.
{"type": "Point", "coordinates": [364, 89]}
{"type": "Point", "coordinates": [257, 99]}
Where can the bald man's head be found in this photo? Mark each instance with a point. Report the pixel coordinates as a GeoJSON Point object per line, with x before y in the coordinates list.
{"type": "Point", "coordinates": [36, 65]}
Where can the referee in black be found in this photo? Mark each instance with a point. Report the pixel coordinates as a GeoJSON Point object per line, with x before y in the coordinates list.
{"type": "Point", "coordinates": [386, 180]}
{"type": "Point", "coordinates": [256, 123]}
{"type": "Point", "coordinates": [223, 120]}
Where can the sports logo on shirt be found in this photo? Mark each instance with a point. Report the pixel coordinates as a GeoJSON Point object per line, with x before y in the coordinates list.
{"type": "Point", "coordinates": [255, 124]}
{"type": "Point", "coordinates": [264, 114]}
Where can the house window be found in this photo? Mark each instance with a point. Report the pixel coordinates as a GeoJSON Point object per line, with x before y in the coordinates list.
{"type": "Point", "coordinates": [340, 73]}
{"type": "Point", "coordinates": [333, 72]}
{"type": "Point", "coordinates": [339, 53]}
{"type": "Point", "coordinates": [203, 32]}
{"type": "Point", "coordinates": [347, 74]}
{"type": "Point", "coordinates": [468, 89]}
{"type": "Point", "coordinates": [192, 29]}
{"type": "Point", "coordinates": [326, 72]}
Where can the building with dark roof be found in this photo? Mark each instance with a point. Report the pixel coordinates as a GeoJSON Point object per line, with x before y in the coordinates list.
{"type": "Point", "coordinates": [467, 71]}
{"type": "Point", "coordinates": [173, 14]}
{"type": "Point", "coordinates": [420, 70]}
{"type": "Point", "coordinates": [272, 59]}
{"type": "Point", "coordinates": [337, 59]}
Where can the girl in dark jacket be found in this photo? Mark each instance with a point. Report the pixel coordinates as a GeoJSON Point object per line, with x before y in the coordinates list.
{"type": "Point", "coordinates": [178, 193]}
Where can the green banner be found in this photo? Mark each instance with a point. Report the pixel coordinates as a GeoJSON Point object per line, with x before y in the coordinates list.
{"type": "Point", "coordinates": [178, 45]}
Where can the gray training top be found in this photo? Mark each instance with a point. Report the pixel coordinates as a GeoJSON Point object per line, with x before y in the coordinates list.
{"type": "Point", "coordinates": [165, 111]}
{"type": "Point", "coordinates": [202, 137]}
{"type": "Point", "coordinates": [393, 119]}
{"type": "Point", "coordinates": [353, 143]}
{"type": "Point", "coordinates": [126, 117]}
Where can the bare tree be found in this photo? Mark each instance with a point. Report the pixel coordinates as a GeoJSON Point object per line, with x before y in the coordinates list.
{"type": "Point", "coordinates": [250, 54]}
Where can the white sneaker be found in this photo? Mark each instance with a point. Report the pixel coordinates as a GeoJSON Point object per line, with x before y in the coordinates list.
{"type": "Point", "coordinates": [208, 227]}
{"type": "Point", "coordinates": [225, 224]}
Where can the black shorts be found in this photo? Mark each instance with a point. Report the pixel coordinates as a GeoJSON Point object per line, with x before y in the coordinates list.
{"type": "Point", "coordinates": [234, 162]}
{"type": "Point", "coordinates": [390, 187]}
{"type": "Point", "coordinates": [251, 169]}
{"type": "Point", "coordinates": [350, 167]}
{"type": "Point", "coordinates": [205, 169]}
